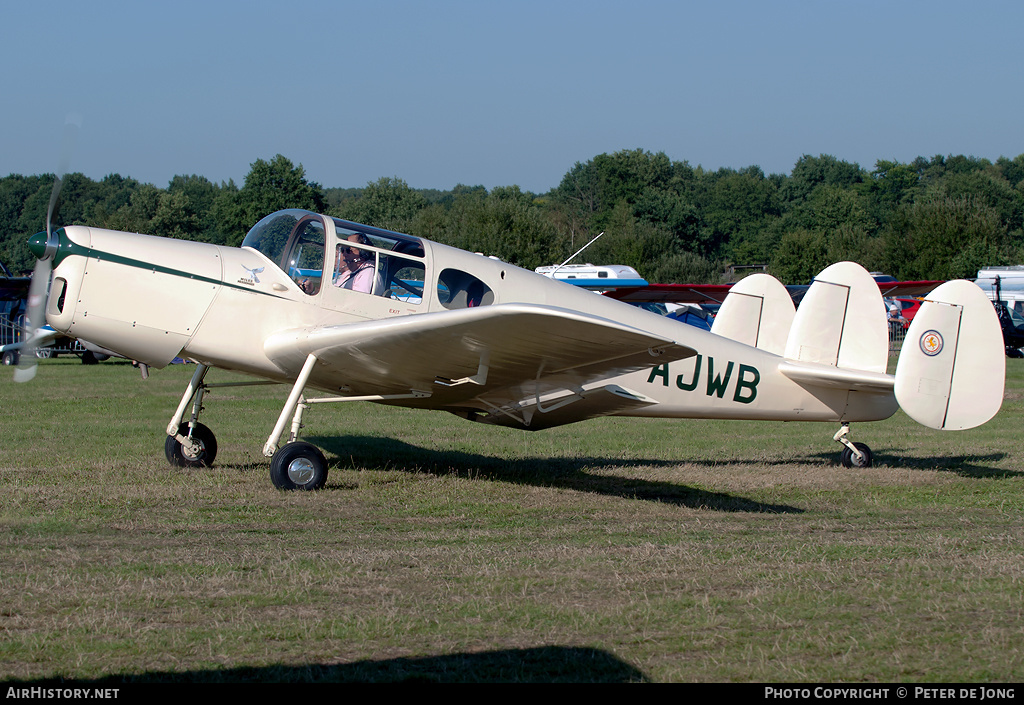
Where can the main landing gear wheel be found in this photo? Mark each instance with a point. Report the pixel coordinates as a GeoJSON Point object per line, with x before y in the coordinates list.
{"type": "Point", "coordinates": [850, 460]}
{"type": "Point", "coordinates": [178, 456]}
{"type": "Point", "coordinates": [298, 466]}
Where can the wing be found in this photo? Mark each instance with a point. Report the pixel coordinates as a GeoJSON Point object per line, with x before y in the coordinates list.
{"type": "Point", "coordinates": [715, 293]}
{"type": "Point", "coordinates": [915, 288]}
{"type": "Point", "coordinates": [476, 359]}
{"type": "Point", "coordinates": [42, 337]}
{"type": "Point", "coordinates": [887, 289]}
{"type": "Point", "coordinates": [672, 293]}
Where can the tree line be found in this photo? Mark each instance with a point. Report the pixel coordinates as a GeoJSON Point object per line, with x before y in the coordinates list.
{"type": "Point", "coordinates": [938, 218]}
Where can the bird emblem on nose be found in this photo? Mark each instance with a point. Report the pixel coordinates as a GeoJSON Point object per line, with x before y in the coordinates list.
{"type": "Point", "coordinates": [253, 273]}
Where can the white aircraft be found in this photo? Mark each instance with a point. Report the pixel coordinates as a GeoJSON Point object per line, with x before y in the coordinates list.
{"type": "Point", "coordinates": [364, 314]}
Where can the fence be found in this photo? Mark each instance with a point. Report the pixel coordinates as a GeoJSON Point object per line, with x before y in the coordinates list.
{"type": "Point", "coordinates": [896, 335]}
{"type": "Point", "coordinates": [12, 330]}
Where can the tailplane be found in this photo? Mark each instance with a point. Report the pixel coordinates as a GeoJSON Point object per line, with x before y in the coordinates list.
{"type": "Point", "coordinates": [952, 366]}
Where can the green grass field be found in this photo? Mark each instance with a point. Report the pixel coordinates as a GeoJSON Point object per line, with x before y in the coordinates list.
{"type": "Point", "coordinates": [612, 550]}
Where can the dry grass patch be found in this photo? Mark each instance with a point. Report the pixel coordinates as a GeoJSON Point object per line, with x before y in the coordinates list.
{"type": "Point", "coordinates": [440, 550]}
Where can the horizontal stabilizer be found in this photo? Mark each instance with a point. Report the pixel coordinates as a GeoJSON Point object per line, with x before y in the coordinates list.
{"type": "Point", "coordinates": [952, 366]}
{"type": "Point", "coordinates": [757, 312]}
{"type": "Point", "coordinates": [841, 321]}
{"type": "Point", "coordinates": [836, 377]}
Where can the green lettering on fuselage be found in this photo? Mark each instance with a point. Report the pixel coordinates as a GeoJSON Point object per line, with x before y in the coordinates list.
{"type": "Point", "coordinates": [742, 384]}
{"type": "Point", "coordinates": [716, 385]}
{"type": "Point", "coordinates": [744, 392]}
{"type": "Point", "coordinates": [693, 382]}
{"type": "Point", "coordinates": [659, 371]}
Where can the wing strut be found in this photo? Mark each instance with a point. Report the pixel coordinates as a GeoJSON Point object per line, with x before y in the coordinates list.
{"type": "Point", "coordinates": [297, 403]}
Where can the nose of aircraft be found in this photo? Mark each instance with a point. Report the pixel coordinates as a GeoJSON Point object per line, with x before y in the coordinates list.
{"type": "Point", "coordinates": [43, 245]}
{"type": "Point", "coordinates": [37, 244]}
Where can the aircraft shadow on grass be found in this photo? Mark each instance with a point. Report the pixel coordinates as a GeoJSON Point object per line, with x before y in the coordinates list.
{"type": "Point", "coordinates": [547, 664]}
{"type": "Point", "coordinates": [569, 473]}
{"type": "Point", "coordinates": [964, 465]}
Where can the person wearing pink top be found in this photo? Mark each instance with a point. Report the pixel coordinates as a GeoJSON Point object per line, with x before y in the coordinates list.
{"type": "Point", "coordinates": [357, 269]}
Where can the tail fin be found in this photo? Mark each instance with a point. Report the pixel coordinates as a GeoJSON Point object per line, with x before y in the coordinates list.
{"type": "Point", "coordinates": [841, 321]}
{"type": "Point", "coordinates": [952, 366]}
{"type": "Point", "coordinates": [758, 311]}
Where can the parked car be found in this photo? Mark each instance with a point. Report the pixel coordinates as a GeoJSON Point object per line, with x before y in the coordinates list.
{"type": "Point", "coordinates": [693, 315]}
{"type": "Point", "coordinates": [1012, 324]}
{"type": "Point", "coordinates": [910, 308]}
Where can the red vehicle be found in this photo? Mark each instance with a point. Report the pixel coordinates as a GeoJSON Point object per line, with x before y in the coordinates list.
{"type": "Point", "coordinates": [910, 307]}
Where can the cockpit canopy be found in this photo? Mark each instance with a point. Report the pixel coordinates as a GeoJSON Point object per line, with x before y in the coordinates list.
{"type": "Point", "coordinates": [360, 258]}
{"type": "Point", "coordinates": [296, 240]}
{"type": "Point", "coordinates": [278, 233]}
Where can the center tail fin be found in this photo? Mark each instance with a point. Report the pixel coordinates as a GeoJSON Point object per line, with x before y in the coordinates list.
{"type": "Point", "coordinates": [841, 322]}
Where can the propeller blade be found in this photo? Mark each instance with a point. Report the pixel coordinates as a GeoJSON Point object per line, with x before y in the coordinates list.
{"type": "Point", "coordinates": [35, 317]}
{"type": "Point", "coordinates": [35, 313]}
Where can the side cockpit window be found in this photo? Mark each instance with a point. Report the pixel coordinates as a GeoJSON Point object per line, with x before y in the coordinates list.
{"type": "Point", "coordinates": [407, 281]}
{"type": "Point", "coordinates": [357, 266]}
{"type": "Point", "coordinates": [380, 263]}
{"type": "Point", "coordinates": [458, 289]}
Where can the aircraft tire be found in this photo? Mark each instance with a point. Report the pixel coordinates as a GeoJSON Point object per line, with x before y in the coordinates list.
{"type": "Point", "coordinates": [11, 357]}
{"type": "Point", "coordinates": [850, 460]}
{"type": "Point", "coordinates": [298, 466]}
{"type": "Point", "coordinates": [177, 456]}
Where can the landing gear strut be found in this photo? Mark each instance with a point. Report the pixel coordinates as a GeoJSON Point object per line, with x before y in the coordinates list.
{"type": "Point", "coordinates": [190, 444]}
{"type": "Point", "coordinates": [295, 466]}
{"type": "Point", "coordinates": [298, 465]}
{"type": "Point", "coordinates": [854, 455]}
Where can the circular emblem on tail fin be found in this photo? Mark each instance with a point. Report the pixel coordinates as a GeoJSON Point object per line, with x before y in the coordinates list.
{"type": "Point", "coordinates": [931, 343]}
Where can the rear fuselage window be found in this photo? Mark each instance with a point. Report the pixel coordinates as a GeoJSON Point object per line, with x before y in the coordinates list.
{"type": "Point", "coordinates": [458, 289]}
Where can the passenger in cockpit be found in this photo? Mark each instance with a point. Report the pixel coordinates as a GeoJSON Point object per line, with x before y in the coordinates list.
{"type": "Point", "coordinates": [356, 266]}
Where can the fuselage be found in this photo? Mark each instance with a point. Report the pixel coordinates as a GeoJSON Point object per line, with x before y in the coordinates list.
{"type": "Point", "coordinates": [153, 299]}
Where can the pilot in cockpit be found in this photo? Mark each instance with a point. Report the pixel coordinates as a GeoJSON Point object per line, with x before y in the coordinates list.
{"type": "Point", "coordinates": [356, 268]}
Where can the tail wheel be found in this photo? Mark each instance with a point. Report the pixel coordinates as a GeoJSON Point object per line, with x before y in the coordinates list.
{"type": "Point", "coordinates": [850, 460]}
{"type": "Point", "coordinates": [298, 466]}
{"type": "Point", "coordinates": [179, 456]}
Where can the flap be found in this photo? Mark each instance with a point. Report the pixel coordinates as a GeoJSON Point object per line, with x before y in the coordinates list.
{"type": "Point", "coordinates": [565, 409]}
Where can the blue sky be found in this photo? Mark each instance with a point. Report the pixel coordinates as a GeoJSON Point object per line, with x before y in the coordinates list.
{"type": "Point", "coordinates": [442, 92]}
